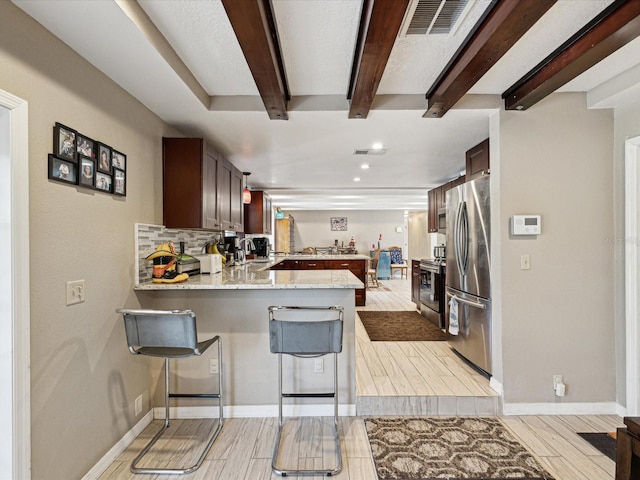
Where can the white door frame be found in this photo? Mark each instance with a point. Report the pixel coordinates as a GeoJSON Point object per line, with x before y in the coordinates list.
{"type": "Point", "coordinates": [632, 269]}
{"type": "Point", "coordinates": [19, 297]}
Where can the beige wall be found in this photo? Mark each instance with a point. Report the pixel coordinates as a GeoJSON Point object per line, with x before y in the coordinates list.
{"type": "Point", "coordinates": [83, 379]}
{"type": "Point", "coordinates": [557, 318]}
{"type": "Point", "coordinates": [419, 239]}
{"type": "Point", "coordinates": [312, 228]}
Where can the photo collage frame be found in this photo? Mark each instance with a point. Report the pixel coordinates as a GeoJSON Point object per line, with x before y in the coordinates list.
{"type": "Point", "coordinates": [80, 160]}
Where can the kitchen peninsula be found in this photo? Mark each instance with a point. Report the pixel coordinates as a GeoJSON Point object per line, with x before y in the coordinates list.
{"type": "Point", "coordinates": [233, 304]}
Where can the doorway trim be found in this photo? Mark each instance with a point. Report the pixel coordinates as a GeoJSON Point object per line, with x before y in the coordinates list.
{"type": "Point", "coordinates": [632, 267]}
{"type": "Point", "coordinates": [20, 312]}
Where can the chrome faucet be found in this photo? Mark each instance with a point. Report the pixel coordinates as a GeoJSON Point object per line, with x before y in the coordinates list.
{"type": "Point", "coordinates": [248, 244]}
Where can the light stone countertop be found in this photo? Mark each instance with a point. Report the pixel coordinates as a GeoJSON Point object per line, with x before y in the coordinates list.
{"type": "Point", "coordinates": [256, 275]}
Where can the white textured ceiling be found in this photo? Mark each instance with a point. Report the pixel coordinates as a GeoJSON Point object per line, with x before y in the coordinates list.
{"type": "Point", "coordinates": [308, 161]}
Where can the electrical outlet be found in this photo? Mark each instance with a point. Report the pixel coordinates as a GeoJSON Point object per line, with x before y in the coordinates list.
{"type": "Point", "coordinates": [525, 262]}
{"type": "Point", "coordinates": [75, 292]}
{"type": "Point", "coordinates": [138, 405]}
{"type": "Point", "coordinates": [213, 366]}
{"type": "Point", "coordinates": [318, 366]}
{"type": "Point", "coordinates": [556, 380]}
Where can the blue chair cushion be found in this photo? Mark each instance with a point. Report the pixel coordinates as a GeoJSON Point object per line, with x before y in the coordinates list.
{"type": "Point", "coordinates": [396, 257]}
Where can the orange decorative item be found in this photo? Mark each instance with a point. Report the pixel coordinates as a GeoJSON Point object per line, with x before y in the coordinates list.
{"type": "Point", "coordinates": [164, 264]}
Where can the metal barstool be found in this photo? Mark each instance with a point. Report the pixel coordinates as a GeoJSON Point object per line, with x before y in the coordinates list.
{"type": "Point", "coordinates": [170, 334]}
{"type": "Point", "coordinates": [306, 338]}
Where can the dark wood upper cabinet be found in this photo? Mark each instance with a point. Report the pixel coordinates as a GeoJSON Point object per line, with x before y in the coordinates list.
{"type": "Point", "coordinates": [258, 214]}
{"type": "Point", "coordinates": [189, 181]}
{"type": "Point", "coordinates": [478, 161]}
{"type": "Point", "coordinates": [201, 188]}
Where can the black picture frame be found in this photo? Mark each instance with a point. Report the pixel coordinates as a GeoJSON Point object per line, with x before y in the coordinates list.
{"type": "Point", "coordinates": [119, 182]}
{"type": "Point", "coordinates": [64, 142]}
{"type": "Point", "coordinates": [87, 171]}
{"type": "Point", "coordinates": [62, 170]}
{"type": "Point", "coordinates": [118, 160]}
{"type": "Point", "coordinates": [104, 159]}
{"type": "Point", "coordinates": [103, 182]}
{"type": "Point", "coordinates": [85, 146]}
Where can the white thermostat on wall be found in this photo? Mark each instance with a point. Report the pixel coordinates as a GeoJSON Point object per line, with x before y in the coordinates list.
{"type": "Point", "coordinates": [525, 225]}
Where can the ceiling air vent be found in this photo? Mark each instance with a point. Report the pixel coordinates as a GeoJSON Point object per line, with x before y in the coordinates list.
{"type": "Point", "coordinates": [434, 16]}
{"type": "Point", "coordinates": [370, 151]}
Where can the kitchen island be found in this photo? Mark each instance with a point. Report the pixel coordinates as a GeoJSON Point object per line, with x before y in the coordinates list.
{"type": "Point", "coordinates": [233, 304]}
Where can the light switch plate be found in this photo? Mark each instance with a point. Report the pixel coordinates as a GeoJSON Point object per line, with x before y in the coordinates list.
{"type": "Point", "coordinates": [75, 292]}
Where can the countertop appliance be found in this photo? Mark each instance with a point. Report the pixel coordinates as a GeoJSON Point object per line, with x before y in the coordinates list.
{"type": "Point", "coordinates": [262, 246]}
{"type": "Point", "coordinates": [432, 277]}
{"type": "Point", "coordinates": [188, 264]}
{"type": "Point", "coordinates": [468, 277]}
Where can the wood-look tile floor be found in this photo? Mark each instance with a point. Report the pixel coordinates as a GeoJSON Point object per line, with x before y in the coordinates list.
{"type": "Point", "coordinates": [409, 368]}
{"type": "Point", "coordinates": [243, 449]}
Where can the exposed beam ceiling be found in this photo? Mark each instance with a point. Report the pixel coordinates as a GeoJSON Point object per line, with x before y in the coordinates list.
{"type": "Point", "coordinates": [497, 31]}
{"type": "Point", "coordinates": [255, 29]}
{"type": "Point", "coordinates": [616, 26]}
{"type": "Point", "coordinates": [380, 23]}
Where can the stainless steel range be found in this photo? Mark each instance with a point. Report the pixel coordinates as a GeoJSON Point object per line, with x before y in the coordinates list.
{"type": "Point", "coordinates": [432, 282]}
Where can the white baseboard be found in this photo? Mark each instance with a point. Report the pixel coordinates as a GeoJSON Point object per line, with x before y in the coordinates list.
{"type": "Point", "coordinates": [495, 385]}
{"type": "Point", "coordinates": [100, 467]}
{"type": "Point", "coordinates": [250, 411]}
{"type": "Point", "coordinates": [604, 408]}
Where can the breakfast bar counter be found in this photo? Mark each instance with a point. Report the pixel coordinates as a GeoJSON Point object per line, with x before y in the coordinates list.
{"type": "Point", "coordinates": [234, 304]}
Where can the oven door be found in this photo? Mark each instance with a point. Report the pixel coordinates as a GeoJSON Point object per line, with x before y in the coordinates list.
{"type": "Point", "coordinates": [429, 287]}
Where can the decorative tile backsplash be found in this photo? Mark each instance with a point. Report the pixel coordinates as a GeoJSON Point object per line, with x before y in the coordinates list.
{"type": "Point", "coordinates": [148, 237]}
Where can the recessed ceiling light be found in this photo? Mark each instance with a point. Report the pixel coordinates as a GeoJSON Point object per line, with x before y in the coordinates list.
{"type": "Point", "coordinates": [357, 179]}
{"type": "Point", "coordinates": [377, 146]}
{"type": "Point", "coordinates": [364, 166]}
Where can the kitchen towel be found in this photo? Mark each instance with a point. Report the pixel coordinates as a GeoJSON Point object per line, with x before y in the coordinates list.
{"type": "Point", "coordinates": [453, 316]}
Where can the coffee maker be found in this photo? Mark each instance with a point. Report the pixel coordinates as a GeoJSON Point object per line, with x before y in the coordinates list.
{"type": "Point", "coordinates": [262, 246]}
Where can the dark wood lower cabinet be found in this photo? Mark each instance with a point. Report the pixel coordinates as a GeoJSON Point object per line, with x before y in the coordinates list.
{"type": "Point", "coordinates": [357, 267]}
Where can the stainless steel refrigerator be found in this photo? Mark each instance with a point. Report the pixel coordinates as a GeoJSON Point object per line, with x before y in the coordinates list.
{"type": "Point", "coordinates": [468, 277]}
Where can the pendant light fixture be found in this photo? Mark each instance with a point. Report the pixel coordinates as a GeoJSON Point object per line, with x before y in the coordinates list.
{"type": "Point", "coordinates": [246, 193]}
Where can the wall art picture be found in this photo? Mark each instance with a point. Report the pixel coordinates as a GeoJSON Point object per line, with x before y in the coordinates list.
{"type": "Point", "coordinates": [85, 146]}
{"type": "Point", "coordinates": [104, 158]}
{"type": "Point", "coordinates": [87, 172]}
{"type": "Point", "coordinates": [80, 160]}
{"type": "Point", "coordinates": [339, 224]}
{"type": "Point", "coordinates": [103, 182]}
{"type": "Point", "coordinates": [119, 182]}
{"type": "Point", "coordinates": [118, 160]}
{"type": "Point", "coordinates": [64, 142]}
{"type": "Point", "coordinates": [62, 170]}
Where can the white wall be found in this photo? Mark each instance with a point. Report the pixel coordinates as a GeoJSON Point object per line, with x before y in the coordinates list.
{"type": "Point", "coordinates": [313, 229]}
{"type": "Point", "coordinates": [6, 337]}
{"type": "Point", "coordinates": [556, 160]}
{"type": "Point", "coordinates": [627, 125]}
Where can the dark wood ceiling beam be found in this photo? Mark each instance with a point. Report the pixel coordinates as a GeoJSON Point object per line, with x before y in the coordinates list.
{"type": "Point", "coordinates": [501, 26]}
{"type": "Point", "coordinates": [616, 26]}
{"type": "Point", "coordinates": [380, 23]}
{"type": "Point", "coordinates": [255, 29]}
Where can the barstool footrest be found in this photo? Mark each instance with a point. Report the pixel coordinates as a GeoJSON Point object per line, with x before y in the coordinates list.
{"type": "Point", "coordinates": [309, 395]}
{"type": "Point", "coordinates": [194, 395]}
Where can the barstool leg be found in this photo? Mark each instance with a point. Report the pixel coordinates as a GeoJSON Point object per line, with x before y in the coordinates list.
{"type": "Point", "coordinates": [181, 471]}
{"type": "Point", "coordinates": [336, 433]}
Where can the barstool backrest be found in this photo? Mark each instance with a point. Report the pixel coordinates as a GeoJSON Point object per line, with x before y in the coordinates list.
{"type": "Point", "coordinates": [158, 332]}
{"type": "Point", "coordinates": [306, 337]}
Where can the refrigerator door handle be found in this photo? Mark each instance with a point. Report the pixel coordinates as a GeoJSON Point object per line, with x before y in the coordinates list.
{"type": "Point", "coordinates": [460, 240]}
{"type": "Point", "coordinates": [467, 302]}
{"type": "Point", "coordinates": [456, 239]}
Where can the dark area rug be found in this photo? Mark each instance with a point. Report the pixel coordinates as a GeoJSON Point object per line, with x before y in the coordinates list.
{"type": "Point", "coordinates": [400, 326]}
{"type": "Point", "coordinates": [604, 442]}
{"type": "Point", "coordinates": [429, 448]}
